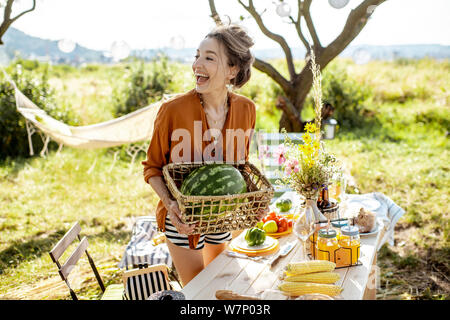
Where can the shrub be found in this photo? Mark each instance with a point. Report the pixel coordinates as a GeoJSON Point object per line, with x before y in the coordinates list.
{"type": "Point", "coordinates": [143, 87]}
{"type": "Point", "coordinates": [346, 95]}
{"type": "Point", "coordinates": [34, 85]}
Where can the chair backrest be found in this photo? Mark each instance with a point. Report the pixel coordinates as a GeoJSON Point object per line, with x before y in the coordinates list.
{"type": "Point", "coordinates": [140, 284]}
{"type": "Point", "coordinates": [268, 144]}
{"type": "Point", "coordinates": [65, 268]}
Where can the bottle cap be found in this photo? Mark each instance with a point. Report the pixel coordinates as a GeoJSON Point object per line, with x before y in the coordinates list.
{"type": "Point", "coordinates": [339, 224]}
{"type": "Point", "coordinates": [350, 230]}
{"type": "Point", "coordinates": [327, 233]}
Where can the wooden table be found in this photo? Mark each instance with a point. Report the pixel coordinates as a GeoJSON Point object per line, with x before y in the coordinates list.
{"type": "Point", "coordinates": [248, 277]}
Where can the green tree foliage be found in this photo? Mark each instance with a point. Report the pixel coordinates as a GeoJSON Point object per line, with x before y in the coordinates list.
{"type": "Point", "coordinates": [346, 95]}
{"type": "Point", "coordinates": [143, 86]}
{"type": "Point", "coordinates": [31, 78]}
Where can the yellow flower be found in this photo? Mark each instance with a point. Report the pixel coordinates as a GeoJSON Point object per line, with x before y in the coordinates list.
{"type": "Point", "coordinates": [310, 127]}
{"type": "Point", "coordinates": [306, 149]}
{"type": "Point", "coordinates": [316, 145]}
{"type": "Point", "coordinates": [307, 138]}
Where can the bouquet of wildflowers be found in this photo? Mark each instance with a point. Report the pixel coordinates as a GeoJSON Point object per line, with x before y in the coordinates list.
{"type": "Point", "coordinates": [308, 167]}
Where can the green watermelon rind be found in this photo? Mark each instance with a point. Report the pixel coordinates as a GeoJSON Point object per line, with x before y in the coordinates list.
{"type": "Point", "coordinates": [196, 184]}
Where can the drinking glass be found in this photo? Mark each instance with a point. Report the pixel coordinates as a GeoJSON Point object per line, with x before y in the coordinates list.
{"type": "Point", "coordinates": [304, 226]}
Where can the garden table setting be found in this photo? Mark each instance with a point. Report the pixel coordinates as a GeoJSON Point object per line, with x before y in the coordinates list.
{"type": "Point", "coordinates": [232, 276]}
{"type": "Point", "coordinates": [313, 242]}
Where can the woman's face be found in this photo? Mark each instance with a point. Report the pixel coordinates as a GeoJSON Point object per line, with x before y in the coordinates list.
{"type": "Point", "coordinates": [211, 69]}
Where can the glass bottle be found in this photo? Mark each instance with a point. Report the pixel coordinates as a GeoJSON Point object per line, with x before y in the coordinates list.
{"type": "Point", "coordinates": [327, 244]}
{"type": "Point", "coordinates": [313, 239]}
{"type": "Point", "coordinates": [319, 200]}
{"type": "Point", "coordinates": [350, 244]}
{"type": "Point", "coordinates": [325, 204]}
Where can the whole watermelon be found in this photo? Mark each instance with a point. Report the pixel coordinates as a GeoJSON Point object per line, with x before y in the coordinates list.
{"type": "Point", "coordinates": [214, 180]}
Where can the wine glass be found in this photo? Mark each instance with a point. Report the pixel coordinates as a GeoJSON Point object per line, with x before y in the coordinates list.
{"type": "Point", "coordinates": [343, 187]}
{"type": "Point", "coordinates": [304, 226]}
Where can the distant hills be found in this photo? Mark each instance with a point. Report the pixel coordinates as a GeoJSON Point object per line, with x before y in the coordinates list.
{"type": "Point", "coordinates": [28, 47]}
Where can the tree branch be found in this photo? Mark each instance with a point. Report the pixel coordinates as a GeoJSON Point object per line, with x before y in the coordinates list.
{"type": "Point", "coordinates": [214, 14]}
{"type": "Point", "coordinates": [26, 11]}
{"type": "Point", "coordinates": [356, 21]}
{"type": "Point", "coordinates": [298, 27]}
{"type": "Point", "coordinates": [258, 64]}
{"type": "Point", "coordinates": [309, 23]}
{"type": "Point", "coordinates": [275, 37]}
{"type": "Point", "coordinates": [274, 74]}
{"type": "Point", "coordinates": [7, 20]}
{"type": "Point", "coordinates": [289, 109]}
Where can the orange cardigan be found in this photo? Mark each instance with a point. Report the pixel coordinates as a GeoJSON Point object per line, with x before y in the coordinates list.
{"type": "Point", "coordinates": [186, 112]}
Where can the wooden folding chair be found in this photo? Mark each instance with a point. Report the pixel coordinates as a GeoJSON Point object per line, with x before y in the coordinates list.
{"type": "Point", "coordinates": [141, 283]}
{"type": "Point", "coordinates": [112, 292]}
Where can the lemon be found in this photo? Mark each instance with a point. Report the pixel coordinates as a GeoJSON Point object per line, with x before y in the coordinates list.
{"type": "Point", "coordinates": [270, 226]}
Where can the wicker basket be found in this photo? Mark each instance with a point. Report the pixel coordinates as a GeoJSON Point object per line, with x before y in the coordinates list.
{"type": "Point", "coordinates": [235, 212]}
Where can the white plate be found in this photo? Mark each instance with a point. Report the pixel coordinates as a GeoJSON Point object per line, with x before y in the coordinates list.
{"type": "Point", "coordinates": [368, 204]}
{"type": "Point", "coordinates": [374, 231]}
{"type": "Point", "coordinates": [240, 243]}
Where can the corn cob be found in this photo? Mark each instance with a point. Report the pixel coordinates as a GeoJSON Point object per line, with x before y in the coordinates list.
{"type": "Point", "coordinates": [291, 288]}
{"type": "Point", "coordinates": [317, 277]}
{"type": "Point", "coordinates": [310, 266]}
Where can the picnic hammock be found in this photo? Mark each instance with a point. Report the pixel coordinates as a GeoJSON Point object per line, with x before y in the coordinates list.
{"type": "Point", "coordinates": [134, 127]}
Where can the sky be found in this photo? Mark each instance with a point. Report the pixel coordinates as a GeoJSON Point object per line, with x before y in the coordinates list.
{"type": "Point", "coordinates": [145, 24]}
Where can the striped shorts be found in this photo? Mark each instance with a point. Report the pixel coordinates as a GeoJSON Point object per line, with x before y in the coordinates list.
{"type": "Point", "coordinates": [182, 240]}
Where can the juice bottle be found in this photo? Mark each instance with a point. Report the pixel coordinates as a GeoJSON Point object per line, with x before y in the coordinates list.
{"type": "Point", "coordinates": [313, 240]}
{"type": "Point", "coordinates": [350, 246]}
{"type": "Point", "coordinates": [327, 244]}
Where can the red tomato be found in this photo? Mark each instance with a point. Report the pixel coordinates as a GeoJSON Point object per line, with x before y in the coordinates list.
{"type": "Point", "coordinates": [272, 214]}
{"type": "Point", "coordinates": [290, 223]}
{"type": "Point", "coordinates": [283, 224]}
{"type": "Point", "coordinates": [277, 220]}
{"type": "Point", "coordinates": [281, 229]}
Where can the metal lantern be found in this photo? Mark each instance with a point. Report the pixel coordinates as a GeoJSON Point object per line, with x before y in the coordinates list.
{"type": "Point", "coordinates": [338, 4]}
{"type": "Point", "coordinates": [329, 128]}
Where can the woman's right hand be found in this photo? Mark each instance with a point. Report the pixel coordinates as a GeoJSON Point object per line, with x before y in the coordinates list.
{"type": "Point", "coordinates": [175, 217]}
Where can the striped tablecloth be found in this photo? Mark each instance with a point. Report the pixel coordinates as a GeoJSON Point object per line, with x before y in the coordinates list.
{"type": "Point", "coordinates": [140, 250]}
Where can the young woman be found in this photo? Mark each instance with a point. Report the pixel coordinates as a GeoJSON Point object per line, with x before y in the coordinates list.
{"type": "Point", "coordinates": [199, 125]}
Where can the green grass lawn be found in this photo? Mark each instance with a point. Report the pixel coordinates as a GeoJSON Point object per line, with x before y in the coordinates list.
{"type": "Point", "coordinates": [403, 152]}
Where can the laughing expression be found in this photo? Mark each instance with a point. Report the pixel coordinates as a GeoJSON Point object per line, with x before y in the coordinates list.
{"type": "Point", "coordinates": [211, 69]}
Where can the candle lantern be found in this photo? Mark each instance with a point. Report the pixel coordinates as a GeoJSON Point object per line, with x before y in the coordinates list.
{"type": "Point", "coordinates": [329, 128]}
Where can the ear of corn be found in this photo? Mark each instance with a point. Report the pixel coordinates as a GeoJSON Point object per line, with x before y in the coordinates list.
{"type": "Point", "coordinates": [317, 277]}
{"type": "Point", "coordinates": [303, 267]}
{"type": "Point", "coordinates": [291, 288]}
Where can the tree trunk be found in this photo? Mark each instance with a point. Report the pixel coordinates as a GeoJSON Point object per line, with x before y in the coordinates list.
{"type": "Point", "coordinates": [289, 124]}
{"type": "Point", "coordinates": [303, 84]}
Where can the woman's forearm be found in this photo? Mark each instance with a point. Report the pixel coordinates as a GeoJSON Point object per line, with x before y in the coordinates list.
{"type": "Point", "coordinates": [158, 184]}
